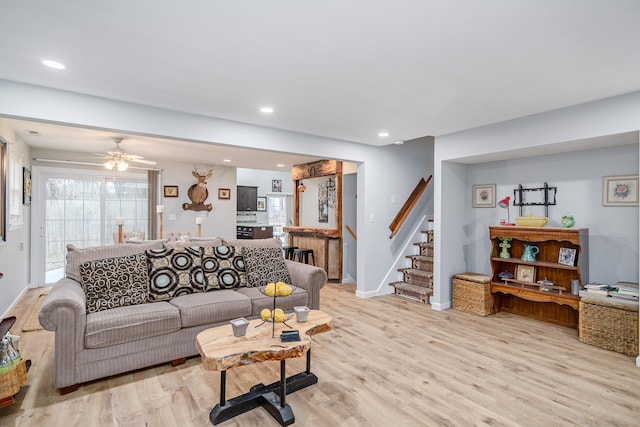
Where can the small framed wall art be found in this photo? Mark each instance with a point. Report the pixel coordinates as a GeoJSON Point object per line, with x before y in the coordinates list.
{"type": "Point", "coordinates": [526, 273]}
{"type": "Point", "coordinates": [26, 186]}
{"type": "Point", "coordinates": [170, 191]}
{"type": "Point", "coordinates": [262, 204]}
{"type": "Point", "coordinates": [276, 185]}
{"type": "Point", "coordinates": [620, 190]}
{"type": "Point", "coordinates": [484, 196]}
{"type": "Point", "coordinates": [224, 193]}
{"type": "Point", "coordinates": [567, 256]}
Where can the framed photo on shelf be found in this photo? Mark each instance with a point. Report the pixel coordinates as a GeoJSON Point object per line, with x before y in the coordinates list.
{"type": "Point", "coordinates": [567, 256]}
{"type": "Point", "coordinates": [170, 191]}
{"type": "Point", "coordinates": [224, 193]}
{"type": "Point", "coordinates": [526, 273]}
{"type": "Point", "coordinates": [262, 204]}
{"type": "Point", "coordinates": [620, 190]}
{"type": "Point", "coordinates": [484, 196]}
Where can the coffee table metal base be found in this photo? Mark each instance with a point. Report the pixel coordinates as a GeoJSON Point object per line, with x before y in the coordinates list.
{"type": "Point", "coordinates": [271, 397]}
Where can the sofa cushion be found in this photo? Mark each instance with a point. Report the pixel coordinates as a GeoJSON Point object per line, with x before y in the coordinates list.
{"type": "Point", "coordinates": [131, 323]}
{"type": "Point", "coordinates": [260, 301]}
{"type": "Point", "coordinates": [264, 265]}
{"type": "Point", "coordinates": [254, 243]}
{"type": "Point", "coordinates": [115, 282]}
{"type": "Point", "coordinates": [76, 255]}
{"type": "Point", "coordinates": [174, 272]}
{"type": "Point", "coordinates": [194, 241]}
{"type": "Point", "coordinates": [211, 307]}
{"type": "Point", "coordinates": [223, 267]}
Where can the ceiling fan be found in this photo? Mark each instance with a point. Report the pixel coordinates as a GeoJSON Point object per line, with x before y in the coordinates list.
{"type": "Point", "coordinates": [119, 159]}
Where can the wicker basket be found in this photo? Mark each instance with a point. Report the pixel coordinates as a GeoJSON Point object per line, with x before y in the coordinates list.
{"type": "Point", "coordinates": [472, 293]}
{"type": "Point", "coordinates": [13, 379]}
{"type": "Point", "coordinates": [609, 324]}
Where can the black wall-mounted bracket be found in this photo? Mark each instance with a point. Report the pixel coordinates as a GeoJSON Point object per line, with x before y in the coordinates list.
{"type": "Point", "coordinates": [547, 194]}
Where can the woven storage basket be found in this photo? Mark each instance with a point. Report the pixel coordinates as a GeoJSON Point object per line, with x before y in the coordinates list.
{"type": "Point", "coordinates": [9, 383]}
{"type": "Point", "coordinates": [472, 293]}
{"type": "Point", "coordinates": [609, 324]}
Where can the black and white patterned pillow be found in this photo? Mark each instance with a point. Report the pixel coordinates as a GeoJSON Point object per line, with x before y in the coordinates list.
{"type": "Point", "coordinates": [265, 265]}
{"type": "Point", "coordinates": [115, 282]}
{"type": "Point", "coordinates": [174, 272]}
{"type": "Point", "coordinates": [224, 267]}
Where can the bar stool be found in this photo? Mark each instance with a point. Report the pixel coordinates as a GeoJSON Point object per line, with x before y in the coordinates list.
{"type": "Point", "coordinates": [304, 254]}
{"type": "Point", "coordinates": [289, 252]}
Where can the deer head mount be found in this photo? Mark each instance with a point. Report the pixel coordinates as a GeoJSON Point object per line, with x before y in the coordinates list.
{"type": "Point", "coordinates": [198, 192]}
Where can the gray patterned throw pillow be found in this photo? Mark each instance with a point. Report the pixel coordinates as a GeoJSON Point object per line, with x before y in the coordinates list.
{"type": "Point", "coordinates": [265, 265]}
{"type": "Point", "coordinates": [174, 272]}
{"type": "Point", "coordinates": [224, 267]}
{"type": "Point", "coordinates": [115, 282]}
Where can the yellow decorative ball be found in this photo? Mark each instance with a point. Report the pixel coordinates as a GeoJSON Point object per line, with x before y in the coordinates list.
{"type": "Point", "coordinates": [265, 314]}
{"type": "Point", "coordinates": [285, 290]}
{"type": "Point", "coordinates": [279, 316]}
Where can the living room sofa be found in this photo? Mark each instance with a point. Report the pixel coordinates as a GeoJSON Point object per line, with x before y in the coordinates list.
{"type": "Point", "coordinates": [97, 338]}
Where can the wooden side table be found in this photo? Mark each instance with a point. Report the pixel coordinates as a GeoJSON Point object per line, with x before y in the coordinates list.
{"type": "Point", "coordinates": [221, 350]}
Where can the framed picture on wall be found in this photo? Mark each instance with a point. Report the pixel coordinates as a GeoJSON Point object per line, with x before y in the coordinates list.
{"type": "Point", "coordinates": [262, 204]}
{"type": "Point", "coordinates": [170, 191]}
{"type": "Point", "coordinates": [620, 190]}
{"type": "Point", "coordinates": [224, 193]}
{"type": "Point", "coordinates": [484, 196]}
{"type": "Point", "coordinates": [276, 185]}
{"type": "Point", "coordinates": [26, 186]}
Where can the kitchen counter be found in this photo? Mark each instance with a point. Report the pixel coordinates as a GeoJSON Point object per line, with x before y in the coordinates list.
{"type": "Point", "coordinates": [252, 230]}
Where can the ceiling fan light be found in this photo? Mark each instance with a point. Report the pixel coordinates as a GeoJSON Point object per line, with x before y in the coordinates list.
{"type": "Point", "coordinates": [109, 165]}
{"type": "Point", "coordinates": [122, 166]}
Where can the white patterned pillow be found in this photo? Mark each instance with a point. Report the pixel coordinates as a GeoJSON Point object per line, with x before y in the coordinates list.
{"type": "Point", "coordinates": [224, 267]}
{"type": "Point", "coordinates": [265, 265]}
{"type": "Point", "coordinates": [174, 272]}
{"type": "Point", "coordinates": [115, 282]}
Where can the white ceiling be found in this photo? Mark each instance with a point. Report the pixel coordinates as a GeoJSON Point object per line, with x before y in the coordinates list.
{"type": "Point", "coordinates": [336, 68]}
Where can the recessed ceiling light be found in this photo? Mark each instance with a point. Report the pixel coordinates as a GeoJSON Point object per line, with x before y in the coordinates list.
{"type": "Point", "coordinates": [280, 165]}
{"type": "Point", "coordinates": [227, 160]}
{"type": "Point", "coordinates": [398, 142]}
{"type": "Point", "coordinates": [266, 109]}
{"type": "Point", "coordinates": [53, 64]}
{"type": "Point", "coordinates": [383, 134]}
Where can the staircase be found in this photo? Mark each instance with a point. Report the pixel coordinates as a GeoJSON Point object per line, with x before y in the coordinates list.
{"type": "Point", "coordinates": [417, 281]}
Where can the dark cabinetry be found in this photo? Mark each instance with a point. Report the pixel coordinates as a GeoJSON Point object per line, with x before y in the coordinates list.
{"type": "Point", "coordinates": [247, 198]}
{"type": "Point", "coordinates": [254, 232]}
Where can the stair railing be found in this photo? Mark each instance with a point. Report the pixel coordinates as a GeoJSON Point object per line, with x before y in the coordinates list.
{"type": "Point", "coordinates": [408, 205]}
{"type": "Point", "coordinates": [351, 232]}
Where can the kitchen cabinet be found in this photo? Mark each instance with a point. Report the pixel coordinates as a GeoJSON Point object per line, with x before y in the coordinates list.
{"type": "Point", "coordinates": [247, 198]}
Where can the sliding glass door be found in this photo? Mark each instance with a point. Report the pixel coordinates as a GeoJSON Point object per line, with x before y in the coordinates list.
{"type": "Point", "coordinates": [80, 208]}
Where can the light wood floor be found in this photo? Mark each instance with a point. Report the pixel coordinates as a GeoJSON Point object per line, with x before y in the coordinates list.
{"type": "Point", "coordinates": [388, 362]}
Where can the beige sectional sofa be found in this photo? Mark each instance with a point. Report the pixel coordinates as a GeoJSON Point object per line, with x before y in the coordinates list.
{"type": "Point", "coordinates": [97, 338]}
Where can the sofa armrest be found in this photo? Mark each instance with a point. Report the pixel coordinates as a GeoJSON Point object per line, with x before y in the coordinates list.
{"type": "Point", "coordinates": [64, 311]}
{"type": "Point", "coordinates": [308, 277]}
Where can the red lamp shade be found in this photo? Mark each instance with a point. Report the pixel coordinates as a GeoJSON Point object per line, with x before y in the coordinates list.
{"type": "Point", "coordinates": [504, 203]}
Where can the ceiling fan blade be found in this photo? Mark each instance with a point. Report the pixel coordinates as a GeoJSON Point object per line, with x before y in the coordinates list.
{"type": "Point", "coordinates": [132, 157]}
{"type": "Point", "coordinates": [146, 162]}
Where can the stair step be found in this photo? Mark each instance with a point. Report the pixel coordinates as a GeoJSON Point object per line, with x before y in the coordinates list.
{"type": "Point", "coordinates": [410, 290]}
{"type": "Point", "coordinates": [417, 277]}
{"type": "Point", "coordinates": [426, 249]}
{"type": "Point", "coordinates": [421, 262]}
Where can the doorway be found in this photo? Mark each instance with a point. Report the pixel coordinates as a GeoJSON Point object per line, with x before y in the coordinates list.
{"type": "Point", "coordinates": [80, 207]}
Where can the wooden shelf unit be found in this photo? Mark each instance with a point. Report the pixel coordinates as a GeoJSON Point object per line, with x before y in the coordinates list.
{"type": "Point", "coordinates": [555, 304]}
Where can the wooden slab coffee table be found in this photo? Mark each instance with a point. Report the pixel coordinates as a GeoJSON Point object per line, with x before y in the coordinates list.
{"type": "Point", "coordinates": [221, 350]}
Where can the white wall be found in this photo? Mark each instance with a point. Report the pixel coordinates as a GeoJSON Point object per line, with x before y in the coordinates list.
{"type": "Point", "coordinates": [613, 231]}
{"type": "Point", "coordinates": [349, 218]}
{"type": "Point", "coordinates": [15, 253]}
{"type": "Point", "coordinates": [391, 170]}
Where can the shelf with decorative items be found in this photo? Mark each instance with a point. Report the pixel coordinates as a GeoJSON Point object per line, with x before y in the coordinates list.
{"type": "Point", "coordinates": [537, 271]}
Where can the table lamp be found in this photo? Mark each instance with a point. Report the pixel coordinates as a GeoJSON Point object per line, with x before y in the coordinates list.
{"type": "Point", "coordinates": [504, 203]}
